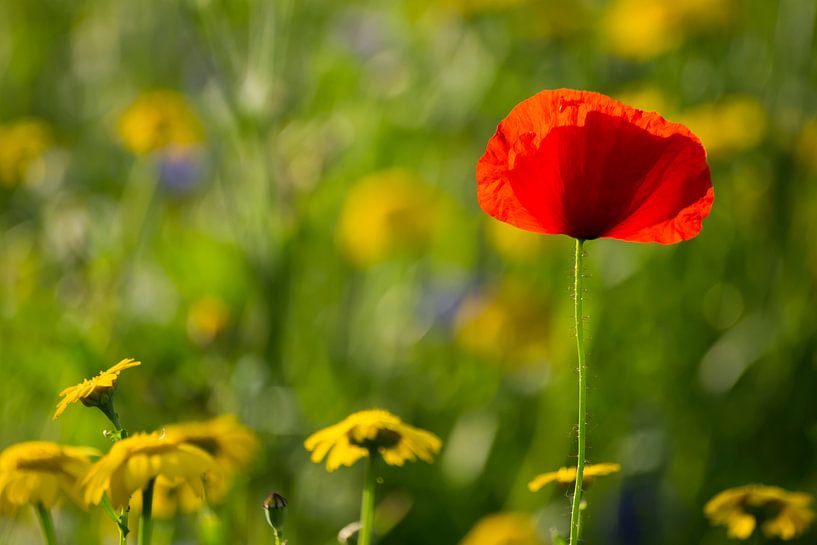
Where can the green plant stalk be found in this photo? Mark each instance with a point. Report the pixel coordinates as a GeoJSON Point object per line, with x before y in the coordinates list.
{"type": "Point", "coordinates": [120, 519]}
{"type": "Point", "coordinates": [44, 516]}
{"type": "Point", "coordinates": [120, 433]}
{"type": "Point", "coordinates": [146, 520]}
{"type": "Point", "coordinates": [122, 526]}
{"type": "Point", "coordinates": [576, 514]}
{"type": "Point", "coordinates": [367, 504]}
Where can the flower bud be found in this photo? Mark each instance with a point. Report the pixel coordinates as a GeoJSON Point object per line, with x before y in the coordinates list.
{"type": "Point", "coordinates": [275, 507]}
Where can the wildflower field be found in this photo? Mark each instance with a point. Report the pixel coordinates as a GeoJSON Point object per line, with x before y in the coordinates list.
{"type": "Point", "coordinates": [453, 272]}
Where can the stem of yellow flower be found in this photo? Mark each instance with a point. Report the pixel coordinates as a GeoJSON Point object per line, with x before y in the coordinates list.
{"type": "Point", "coordinates": [109, 410]}
{"type": "Point", "coordinates": [106, 504]}
{"type": "Point", "coordinates": [120, 519]}
{"type": "Point", "coordinates": [576, 514]}
{"type": "Point", "coordinates": [146, 520]}
{"type": "Point", "coordinates": [122, 525]}
{"type": "Point", "coordinates": [46, 524]}
{"type": "Point", "coordinates": [367, 505]}
{"type": "Point", "coordinates": [120, 433]}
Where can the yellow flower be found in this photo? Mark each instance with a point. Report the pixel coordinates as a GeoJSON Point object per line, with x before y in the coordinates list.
{"type": "Point", "coordinates": [647, 98]}
{"type": "Point", "coordinates": [733, 124]}
{"type": "Point", "coordinates": [806, 145]}
{"type": "Point", "coordinates": [513, 243]}
{"type": "Point", "coordinates": [159, 120]}
{"type": "Point", "coordinates": [134, 461]}
{"type": "Point", "coordinates": [352, 439]}
{"type": "Point", "coordinates": [642, 29]}
{"type": "Point", "coordinates": [176, 496]}
{"type": "Point", "coordinates": [780, 513]}
{"type": "Point", "coordinates": [96, 391]}
{"type": "Point", "coordinates": [503, 324]}
{"type": "Point", "coordinates": [567, 475]}
{"type": "Point", "coordinates": [207, 318]}
{"type": "Point", "coordinates": [34, 473]}
{"type": "Point", "coordinates": [22, 144]}
{"type": "Point", "coordinates": [230, 443]}
{"type": "Point", "coordinates": [385, 214]}
{"type": "Point", "coordinates": [503, 529]}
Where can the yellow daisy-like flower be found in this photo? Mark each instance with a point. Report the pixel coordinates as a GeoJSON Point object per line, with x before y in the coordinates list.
{"type": "Point", "coordinates": [96, 391]}
{"type": "Point", "coordinates": [504, 324]}
{"type": "Point", "coordinates": [206, 318]}
{"type": "Point", "coordinates": [134, 461]}
{"type": "Point", "coordinates": [228, 441]}
{"type": "Point", "coordinates": [35, 472]}
{"type": "Point", "coordinates": [367, 431]}
{"type": "Point", "coordinates": [567, 475]}
{"type": "Point", "coordinates": [22, 144]}
{"type": "Point", "coordinates": [503, 529]}
{"type": "Point", "coordinates": [232, 446]}
{"type": "Point", "coordinates": [159, 120]}
{"type": "Point", "coordinates": [779, 512]}
{"type": "Point", "coordinates": [387, 213]}
{"type": "Point", "coordinates": [735, 123]}
{"type": "Point", "coordinates": [172, 497]}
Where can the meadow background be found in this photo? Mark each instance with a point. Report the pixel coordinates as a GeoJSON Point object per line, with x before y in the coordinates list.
{"type": "Point", "coordinates": [314, 247]}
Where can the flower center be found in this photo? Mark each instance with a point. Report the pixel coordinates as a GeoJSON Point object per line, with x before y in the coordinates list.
{"type": "Point", "coordinates": [768, 510]}
{"type": "Point", "coordinates": [384, 439]}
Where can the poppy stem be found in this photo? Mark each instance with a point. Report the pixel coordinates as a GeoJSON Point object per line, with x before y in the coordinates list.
{"type": "Point", "coordinates": [576, 513]}
{"type": "Point", "coordinates": [367, 504]}
{"type": "Point", "coordinates": [146, 520]}
{"type": "Point", "coordinates": [46, 523]}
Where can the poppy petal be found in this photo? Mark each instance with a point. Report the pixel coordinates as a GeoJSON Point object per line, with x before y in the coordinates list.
{"type": "Point", "coordinates": [585, 165]}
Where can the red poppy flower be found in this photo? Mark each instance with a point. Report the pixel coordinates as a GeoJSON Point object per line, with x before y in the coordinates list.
{"type": "Point", "coordinates": [582, 164]}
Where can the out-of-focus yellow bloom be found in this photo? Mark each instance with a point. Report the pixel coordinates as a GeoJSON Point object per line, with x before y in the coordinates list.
{"type": "Point", "coordinates": [504, 323]}
{"type": "Point", "coordinates": [567, 475]}
{"type": "Point", "coordinates": [649, 99]}
{"type": "Point", "coordinates": [731, 125]}
{"type": "Point", "coordinates": [134, 461]}
{"type": "Point", "coordinates": [172, 497]}
{"type": "Point", "coordinates": [704, 13]}
{"type": "Point", "coordinates": [386, 214]}
{"type": "Point", "coordinates": [503, 529]}
{"type": "Point", "coordinates": [207, 318]}
{"type": "Point", "coordinates": [159, 120]}
{"type": "Point", "coordinates": [230, 443]}
{"type": "Point", "coordinates": [806, 147]}
{"type": "Point", "coordinates": [22, 144]}
{"type": "Point", "coordinates": [642, 29]}
{"type": "Point", "coordinates": [780, 513]}
{"type": "Point", "coordinates": [373, 430]}
{"type": "Point", "coordinates": [474, 7]}
{"type": "Point", "coordinates": [96, 391]}
{"type": "Point", "coordinates": [513, 243]}
{"type": "Point", "coordinates": [34, 473]}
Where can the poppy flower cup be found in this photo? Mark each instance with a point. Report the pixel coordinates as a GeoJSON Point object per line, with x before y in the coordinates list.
{"type": "Point", "coordinates": [582, 164]}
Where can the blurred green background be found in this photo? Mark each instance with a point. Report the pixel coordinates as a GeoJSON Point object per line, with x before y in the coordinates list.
{"type": "Point", "coordinates": [272, 205]}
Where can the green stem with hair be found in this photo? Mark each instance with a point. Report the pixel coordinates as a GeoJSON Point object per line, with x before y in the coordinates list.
{"type": "Point", "coordinates": [576, 513]}
{"type": "Point", "coordinates": [46, 523]}
{"type": "Point", "coordinates": [367, 504]}
{"type": "Point", "coordinates": [146, 520]}
{"type": "Point", "coordinates": [119, 433]}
